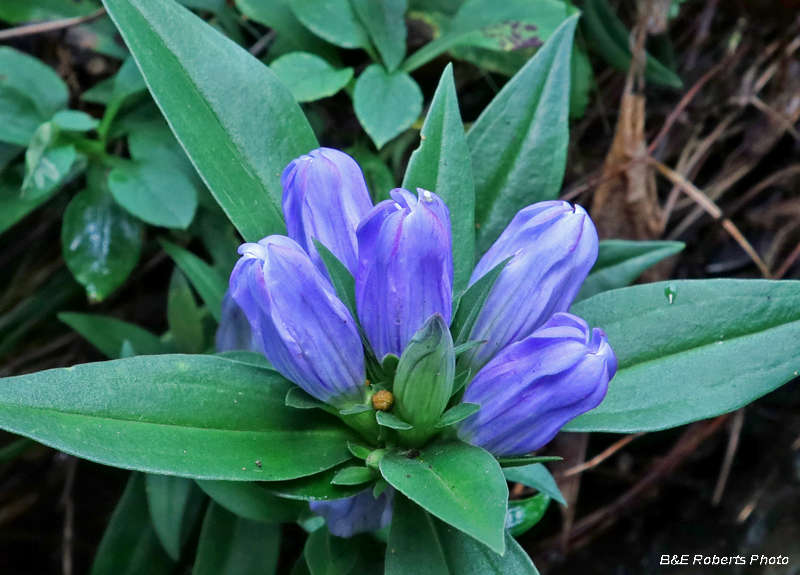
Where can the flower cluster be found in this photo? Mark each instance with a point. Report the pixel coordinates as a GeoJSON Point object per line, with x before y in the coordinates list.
{"type": "Point", "coordinates": [537, 366]}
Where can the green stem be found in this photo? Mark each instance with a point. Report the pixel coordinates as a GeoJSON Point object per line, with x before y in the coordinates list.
{"type": "Point", "coordinates": [365, 424]}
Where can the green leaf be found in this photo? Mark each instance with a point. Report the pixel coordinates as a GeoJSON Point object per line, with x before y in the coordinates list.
{"type": "Point", "coordinates": [19, 116]}
{"type": "Point", "coordinates": [474, 502]}
{"type": "Point", "coordinates": [343, 281]}
{"type": "Point", "coordinates": [48, 161]}
{"type": "Point", "coordinates": [353, 476]}
{"type": "Point", "coordinates": [536, 476]}
{"type": "Point", "coordinates": [155, 193]}
{"type": "Point", "coordinates": [391, 421]}
{"type": "Point", "coordinates": [423, 545]}
{"type": "Point", "coordinates": [12, 207]}
{"type": "Point", "coordinates": [442, 164]}
{"type": "Point", "coordinates": [415, 544]}
{"type": "Point", "coordinates": [292, 35]}
{"type": "Point", "coordinates": [160, 187]}
{"type": "Point", "coordinates": [205, 280]}
{"type": "Point", "coordinates": [30, 93]}
{"type": "Point", "coordinates": [101, 92]}
{"type": "Point", "coordinates": [477, 22]}
{"type": "Point", "coordinates": [519, 142]}
{"type": "Point", "coordinates": [20, 12]}
{"type": "Point", "coordinates": [231, 545]}
{"type": "Point", "coordinates": [108, 334]}
{"type": "Point", "coordinates": [523, 460]}
{"type": "Point", "coordinates": [525, 513]}
{"type": "Point", "coordinates": [13, 450]}
{"type": "Point", "coordinates": [385, 22]}
{"type": "Point", "coordinates": [314, 487]}
{"type": "Point", "coordinates": [471, 303]}
{"type": "Point", "coordinates": [457, 413]}
{"type": "Point", "coordinates": [581, 82]}
{"type": "Point", "coordinates": [309, 77]}
{"type": "Point", "coordinates": [175, 505]}
{"type": "Point", "coordinates": [251, 501]}
{"type": "Point", "coordinates": [329, 555]}
{"type": "Point", "coordinates": [196, 76]}
{"type": "Point", "coordinates": [188, 415]}
{"type": "Point", "coordinates": [610, 38]}
{"type": "Point", "coordinates": [130, 545]}
{"type": "Point", "coordinates": [465, 347]}
{"type": "Point", "coordinates": [386, 103]}
{"type": "Point", "coordinates": [185, 324]}
{"type": "Point", "coordinates": [331, 20]}
{"type": "Point", "coordinates": [359, 451]}
{"type": "Point", "coordinates": [249, 357]}
{"type": "Point", "coordinates": [100, 242]}
{"type": "Point", "coordinates": [690, 350]}
{"type": "Point", "coordinates": [299, 399]}
{"type": "Point", "coordinates": [620, 262]}
{"type": "Point", "coordinates": [75, 121]}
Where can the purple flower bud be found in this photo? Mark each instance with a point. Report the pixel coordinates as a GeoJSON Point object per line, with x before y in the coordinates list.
{"type": "Point", "coordinates": [554, 246]}
{"type": "Point", "coordinates": [532, 388]}
{"type": "Point", "coordinates": [360, 513]}
{"type": "Point", "coordinates": [325, 197]}
{"type": "Point", "coordinates": [306, 332]}
{"type": "Point", "coordinates": [234, 331]}
{"type": "Point", "coordinates": [405, 270]}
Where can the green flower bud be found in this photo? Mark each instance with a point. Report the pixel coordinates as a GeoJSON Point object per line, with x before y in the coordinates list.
{"type": "Point", "coordinates": [424, 381]}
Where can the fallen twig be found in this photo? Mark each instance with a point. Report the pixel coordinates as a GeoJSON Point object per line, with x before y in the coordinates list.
{"type": "Point", "coordinates": [50, 26]}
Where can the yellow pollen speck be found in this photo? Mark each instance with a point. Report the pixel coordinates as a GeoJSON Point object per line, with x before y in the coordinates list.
{"type": "Point", "coordinates": [382, 400]}
{"type": "Point", "coordinates": [367, 383]}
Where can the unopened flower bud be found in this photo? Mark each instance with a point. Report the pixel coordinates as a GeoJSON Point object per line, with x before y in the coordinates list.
{"type": "Point", "coordinates": [324, 198]}
{"type": "Point", "coordinates": [552, 246]}
{"type": "Point", "coordinates": [532, 388]}
{"type": "Point", "coordinates": [405, 272]}
{"type": "Point", "coordinates": [424, 380]}
{"type": "Point", "coordinates": [305, 331]}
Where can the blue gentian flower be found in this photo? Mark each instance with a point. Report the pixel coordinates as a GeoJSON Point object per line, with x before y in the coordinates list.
{"type": "Point", "coordinates": [405, 268]}
{"type": "Point", "coordinates": [533, 387]}
{"type": "Point", "coordinates": [324, 198]}
{"type": "Point", "coordinates": [360, 513]}
{"type": "Point", "coordinates": [306, 332]}
{"type": "Point", "coordinates": [234, 333]}
{"type": "Point", "coordinates": [552, 246]}
{"type": "Point", "coordinates": [539, 368]}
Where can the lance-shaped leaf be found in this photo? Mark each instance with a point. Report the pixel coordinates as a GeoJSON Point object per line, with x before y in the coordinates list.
{"type": "Point", "coordinates": [251, 501]}
{"type": "Point", "coordinates": [442, 165]}
{"type": "Point", "coordinates": [474, 503]}
{"type": "Point", "coordinates": [536, 476]}
{"type": "Point", "coordinates": [188, 415]}
{"type": "Point", "coordinates": [175, 505]}
{"type": "Point", "coordinates": [108, 334]}
{"type": "Point", "coordinates": [237, 122]}
{"type": "Point", "coordinates": [620, 262]}
{"type": "Point", "coordinates": [130, 543]}
{"type": "Point", "coordinates": [519, 143]}
{"type": "Point", "coordinates": [690, 350]}
{"type": "Point", "coordinates": [477, 23]}
{"type": "Point", "coordinates": [208, 283]}
{"type": "Point", "coordinates": [231, 545]}
{"type": "Point", "coordinates": [421, 544]}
